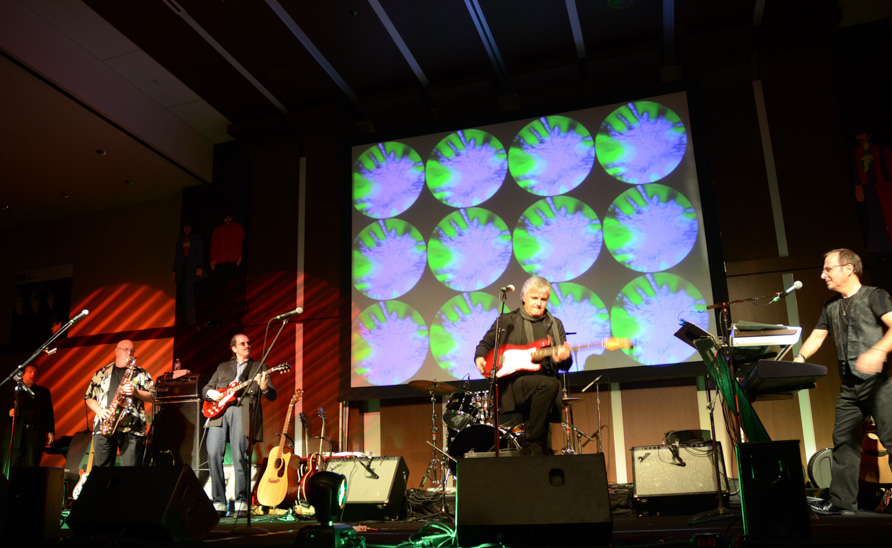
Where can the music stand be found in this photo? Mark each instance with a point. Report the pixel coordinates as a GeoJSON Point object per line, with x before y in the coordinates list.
{"type": "Point", "coordinates": [690, 334]}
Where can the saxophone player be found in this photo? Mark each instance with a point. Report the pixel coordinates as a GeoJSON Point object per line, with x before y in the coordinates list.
{"type": "Point", "coordinates": [128, 432]}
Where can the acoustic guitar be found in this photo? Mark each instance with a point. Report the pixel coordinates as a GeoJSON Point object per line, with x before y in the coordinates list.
{"type": "Point", "coordinates": [526, 357]}
{"type": "Point", "coordinates": [214, 409]}
{"type": "Point", "coordinates": [279, 485]}
{"type": "Point", "coordinates": [316, 462]}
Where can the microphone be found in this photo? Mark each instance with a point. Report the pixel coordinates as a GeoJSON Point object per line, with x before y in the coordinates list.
{"type": "Point", "coordinates": [507, 289]}
{"type": "Point", "coordinates": [80, 316]}
{"type": "Point", "coordinates": [593, 382]}
{"type": "Point", "coordinates": [797, 285]}
{"type": "Point", "coordinates": [294, 312]}
{"type": "Point", "coordinates": [368, 467]}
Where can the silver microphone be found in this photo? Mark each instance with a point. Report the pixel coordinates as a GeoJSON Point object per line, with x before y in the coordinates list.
{"type": "Point", "coordinates": [80, 316]}
{"type": "Point", "coordinates": [294, 312]}
{"type": "Point", "coordinates": [507, 289]}
{"type": "Point", "coordinates": [797, 285]}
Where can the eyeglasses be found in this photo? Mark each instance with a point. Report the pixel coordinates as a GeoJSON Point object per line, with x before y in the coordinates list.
{"type": "Point", "coordinates": [827, 269]}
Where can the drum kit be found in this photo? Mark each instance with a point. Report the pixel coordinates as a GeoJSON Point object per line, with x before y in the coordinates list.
{"type": "Point", "coordinates": [469, 418]}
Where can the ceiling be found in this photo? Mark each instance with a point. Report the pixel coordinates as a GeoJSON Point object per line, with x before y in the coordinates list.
{"type": "Point", "coordinates": [107, 103]}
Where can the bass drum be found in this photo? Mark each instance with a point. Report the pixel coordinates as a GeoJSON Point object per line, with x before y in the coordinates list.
{"type": "Point", "coordinates": [478, 438]}
{"type": "Point", "coordinates": [819, 468]}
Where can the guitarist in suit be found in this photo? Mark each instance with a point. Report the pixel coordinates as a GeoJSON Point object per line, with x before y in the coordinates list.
{"type": "Point", "coordinates": [233, 425]}
{"type": "Point", "coordinates": [536, 394]}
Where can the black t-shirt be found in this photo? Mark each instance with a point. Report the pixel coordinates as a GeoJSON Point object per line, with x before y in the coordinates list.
{"type": "Point", "coordinates": [879, 306]}
{"type": "Point", "coordinates": [116, 375]}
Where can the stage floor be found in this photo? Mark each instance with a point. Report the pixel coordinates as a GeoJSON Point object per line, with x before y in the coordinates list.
{"type": "Point", "coordinates": [862, 529]}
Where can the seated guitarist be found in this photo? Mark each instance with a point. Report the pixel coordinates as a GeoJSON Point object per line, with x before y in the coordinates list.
{"type": "Point", "coordinates": [233, 424]}
{"type": "Point", "coordinates": [536, 394]}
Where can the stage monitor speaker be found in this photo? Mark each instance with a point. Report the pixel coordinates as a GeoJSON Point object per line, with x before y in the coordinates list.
{"type": "Point", "coordinates": [663, 470]}
{"type": "Point", "coordinates": [149, 502]}
{"type": "Point", "coordinates": [35, 503]}
{"type": "Point", "coordinates": [376, 487]}
{"type": "Point", "coordinates": [536, 501]}
{"type": "Point", "coordinates": [177, 435]}
{"type": "Point", "coordinates": [772, 491]}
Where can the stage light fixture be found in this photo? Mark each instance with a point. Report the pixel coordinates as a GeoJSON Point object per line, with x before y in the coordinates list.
{"type": "Point", "coordinates": [327, 493]}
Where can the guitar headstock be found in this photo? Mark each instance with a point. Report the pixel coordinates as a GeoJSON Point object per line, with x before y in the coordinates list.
{"type": "Point", "coordinates": [321, 413]}
{"type": "Point", "coordinates": [303, 419]}
{"type": "Point", "coordinates": [615, 343]}
{"type": "Point", "coordinates": [297, 394]}
{"type": "Point", "coordinates": [282, 367]}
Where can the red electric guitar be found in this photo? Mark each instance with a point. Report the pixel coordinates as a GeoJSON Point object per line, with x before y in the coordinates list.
{"type": "Point", "coordinates": [526, 357]}
{"type": "Point", "coordinates": [213, 409]}
{"type": "Point", "coordinates": [278, 486]}
{"type": "Point", "coordinates": [85, 473]}
{"type": "Point", "coordinates": [316, 462]}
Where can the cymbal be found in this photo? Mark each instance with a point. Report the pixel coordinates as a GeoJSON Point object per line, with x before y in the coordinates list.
{"type": "Point", "coordinates": [437, 388]}
{"type": "Point", "coordinates": [570, 400]}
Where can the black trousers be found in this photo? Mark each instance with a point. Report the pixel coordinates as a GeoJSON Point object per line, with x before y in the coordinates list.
{"type": "Point", "coordinates": [534, 395]}
{"type": "Point", "coordinates": [856, 401]}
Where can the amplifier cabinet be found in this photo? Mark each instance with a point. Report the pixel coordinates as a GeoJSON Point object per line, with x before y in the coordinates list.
{"type": "Point", "coordinates": [177, 434]}
{"type": "Point", "coordinates": [376, 486]}
{"type": "Point", "coordinates": [664, 470]}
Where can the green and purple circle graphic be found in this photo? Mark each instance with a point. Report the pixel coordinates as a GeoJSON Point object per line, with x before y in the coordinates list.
{"type": "Point", "coordinates": [387, 179]}
{"type": "Point", "coordinates": [389, 257]}
{"type": "Point", "coordinates": [466, 168]}
{"type": "Point", "coordinates": [648, 311]}
{"type": "Point", "coordinates": [579, 307]}
{"type": "Point", "coordinates": [558, 238]}
{"type": "Point", "coordinates": [650, 228]}
{"type": "Point", "coordinates": [641, 142]}
{"type": "Point", "coordinates": [389, 343]}
{"type": "Point", "coordinates": [457, 328]}
{"type": "Point", "coordinates": [469, 249]}
{"type": "Point", "coordinates": [551, 155]}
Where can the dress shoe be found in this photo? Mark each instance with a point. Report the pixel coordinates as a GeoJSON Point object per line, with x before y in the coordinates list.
{"type": "Point", "coordinates": [241, 509]}
{"type": "Point", "coordinates": [827, 508]}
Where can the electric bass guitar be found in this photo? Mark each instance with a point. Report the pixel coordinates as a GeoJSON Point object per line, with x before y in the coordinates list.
{"type": "Point", "coordinates": [85, 473]}
{"type": "Point", "coordinates": [278, 486]}
{"type": "Point", "coordinates": [526, 357]}
{"type": "Point", "coordinates": [316, 462]}
{"type": "Point", "coordinates": [214, 409]}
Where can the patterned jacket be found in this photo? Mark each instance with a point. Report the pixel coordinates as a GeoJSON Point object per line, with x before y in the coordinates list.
{"type": "Point", "coordinates": [134, 422]}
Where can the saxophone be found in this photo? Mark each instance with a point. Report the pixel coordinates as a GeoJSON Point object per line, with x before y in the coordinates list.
{"type": "Point", "coordinates": [119, 403]}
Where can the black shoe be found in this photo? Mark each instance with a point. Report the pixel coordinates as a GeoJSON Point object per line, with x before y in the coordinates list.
{"type": "Point", "coordinates": [827, 508]}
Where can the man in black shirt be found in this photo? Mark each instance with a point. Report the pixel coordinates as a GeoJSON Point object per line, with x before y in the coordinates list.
{"type": "Point", "coordinates": [35, 427]}
{"type": "Point", "coordinates": [860, 318]}
{"type": "Point", "coordinates": [537, 393]}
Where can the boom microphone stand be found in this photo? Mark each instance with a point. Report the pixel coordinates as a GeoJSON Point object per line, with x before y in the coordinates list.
{"type": "Point", "coordinates": [255, 401]}
{"type": "Point", "coordinates": [494, 369]}
{"type": "Point", "coordinates": [17, 373]}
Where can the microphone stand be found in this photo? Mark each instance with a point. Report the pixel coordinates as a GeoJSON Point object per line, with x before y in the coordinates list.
{"type": "Point", "coordinates": [493, 370]}
{"type": "Point", "coordinates": [16, 375]}
{"type": "Point", "coordinates": [255, 401]}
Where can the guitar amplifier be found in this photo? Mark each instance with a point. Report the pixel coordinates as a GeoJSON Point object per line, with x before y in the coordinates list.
{"type": "Point", "coordinates": [376, 486]}
{"type": "Point", "coordinates": [168, 388]}
{"type": "Point", "coordinates": [662, 470]}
